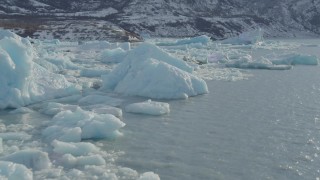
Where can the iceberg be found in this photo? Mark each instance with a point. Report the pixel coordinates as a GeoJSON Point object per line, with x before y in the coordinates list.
{"type": "Point", "coordinates": [70, 161]}
{"type": "Point", "coordinates": [149, 107]}
{"type": "Point", "coordinates": [246, 62]}
{"type": "Point", "coordinates": [76, 125]}
{"type": "Point", "coordinates": [147, 71]}
{"type": "Point", "coordinates": [113, 55]}
{"type": "Point", "coordinates": [203, 40]}
{"type": "Point", "coordinates": [250, 37]}
{"type": "Point", "coordinates": [34, 159]}
{"type": "Point", "coordinates": [297, 59]}
{"type": "Point", "coordinates": [22, 81]}
{"type": "Point", "coordinates": [75, 149]}
{"type": "Point", "coordinates": [11, 171]}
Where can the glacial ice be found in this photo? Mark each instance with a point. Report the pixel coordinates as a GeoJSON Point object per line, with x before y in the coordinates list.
{"type": "Point", "coordinates": [249, 37]}
{"type": "Point", "coordinates": [246, 62]}
{"type": "Point", "coordinates": [33, 159]}
{"type": "Point", "coordinates": [12, 171]}
{"type": "Point", "coordinates": [29, 75]}
{"type": "Point", "coordinates": [22, 81]}
{"type": "Point", "coordinates": [149, 176]}
{"type": "Point", "coordinates": [203, 40]}
{"type": "Point", "coordinates": [149, 107]}
{"type": "Point", "coordinates": [75, 149]}
{"type": "Point", "coordinates": [113, 55]}
{"type": "Point", "coordinates": [296, 59]}
{"type": "Point", "coordinates": [138, 75]}
{"type": "Point", "coordinates": [72, 126]}
{"type": "Point", "coordinates": [71, 161]}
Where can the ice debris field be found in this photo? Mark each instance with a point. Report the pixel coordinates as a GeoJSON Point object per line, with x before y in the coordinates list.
{"type": "Point", "coordinates": [59, 99]}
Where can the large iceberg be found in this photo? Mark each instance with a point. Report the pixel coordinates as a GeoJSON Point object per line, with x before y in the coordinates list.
{"type": "Point", "coordinates": [150, 72]}
{"type": "Point", "coordinates": [22, 81]}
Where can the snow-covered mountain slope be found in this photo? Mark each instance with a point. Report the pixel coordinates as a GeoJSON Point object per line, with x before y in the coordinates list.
{"type": "Point", "coordinates": [216, 18]}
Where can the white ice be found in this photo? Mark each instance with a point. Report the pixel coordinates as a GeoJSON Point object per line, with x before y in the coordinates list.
{"type": "Point", "coordinates": [249, 37]}
{"type": "Point", "coordinates": [138, 75]}
{"type": "Point", "coordinates": [22, 81]}
{"type": "Point", "coordinates": [149, 107]}
{"type": "Point", "coordinates": [75, 149]}
{"type": "Point", "coordinates": [203, 40]}
{"type": "Point", "coordinates": [79, 124]}
{"type": "Point", "coordinates": [13, 171]}
{"type": "Point", "coordinates": [33, 159]}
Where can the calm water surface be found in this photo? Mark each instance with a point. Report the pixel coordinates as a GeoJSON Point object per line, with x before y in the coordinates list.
{"type": "Point", "coordinates": [267, 127]}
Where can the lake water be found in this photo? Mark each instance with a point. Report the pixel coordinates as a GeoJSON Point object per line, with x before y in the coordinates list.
{"type": "Point", "coordinates": [266, 127]}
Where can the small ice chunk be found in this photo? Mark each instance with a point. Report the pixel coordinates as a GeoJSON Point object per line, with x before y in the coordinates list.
{"type": "Point", "coordinates": [204, 40]}
{"type": "Point", "coordinates": [68, 125]}
{"type": "Point", "coordinates": [297, 59]}
{"type": "Point", "coordinates": [249, 37]}
{"type": "Point", "coordinates": [113, 55]}
{"type": "Point", "coordinates": [21, 110]}
{"type": "Point", "coordinates": [66, 134]}
{"type": "Point", "coordinates": [149, 107]}
{"type": "Point", "coordinates": [89, 72]}
{"type": "Point", "coordinates": [1, 146]}
{"type": "Point", "coordinates": [12, 171]}
{"type": "Point", "coordinates": [15, 136]}
{"type": "Point", "coordinates": [149, 176]}
{"type": "Point", "coordinates": [105, 109]}
{"type": "Point", "coordinates": [70, 161]}
{"type": "Point", "coordinates": [100, 99]}
{"type": "Point", "coordinates": [52, 108]}
{"type": "Point", "coordinates": [34, 159]}
{"type": "Point", "coordinates": [75, 149]}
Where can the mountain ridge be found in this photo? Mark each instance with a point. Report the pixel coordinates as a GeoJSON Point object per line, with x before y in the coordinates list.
{"type": "Point", "coordinates": [168, 18]}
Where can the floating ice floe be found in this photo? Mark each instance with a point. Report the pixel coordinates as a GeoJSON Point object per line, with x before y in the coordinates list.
{"type": "Point", "coordinates": [113, 55]}
{"type": "Point", "coordinates": [149, 107]}
{"type": "Point", "coordinates": [105, 109]}
{"type": "Point", "coordinates": [12, 171]}
{"type": "Point", "coordinates": [149, 176]}
{"type": "Point", "coordinates": [203, 40]}
{"type": "Point", "coordinates": [33, 159]}
{"type": "Point", "coordinates": [250, 37]}
{"type": "Point", "coordinates": [15, 136]}
{"type": "Point", "coordinates": [21, 110]}
{"type": "Point", "coordinates": [73, 126]}
{"type": "Point", "coordinates": [246, 62]}
{"type": "Point", "coordinates": [75, 149]}
{"type": "Point", "coordinates": [71, 161]}
{"type": "Point", "coordinates": [150, 72]}
{"type": "Point", "coordinates": [296, 59]}
{"type": "Point", "coordinates": [22, 81]}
